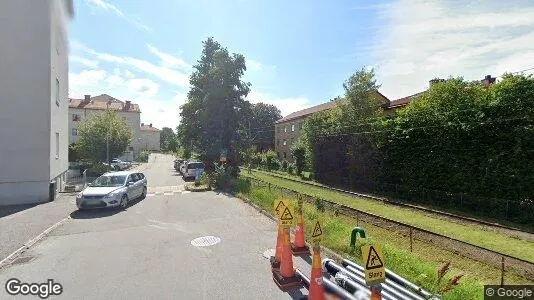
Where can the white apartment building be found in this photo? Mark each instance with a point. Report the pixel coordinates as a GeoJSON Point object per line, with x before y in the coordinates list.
{"type": "Point", "coordinates": [150, 137]}
{"type": "Point", "coordinates": [81, 109]}
{"type": "Point", "coordinates": [33, 99]}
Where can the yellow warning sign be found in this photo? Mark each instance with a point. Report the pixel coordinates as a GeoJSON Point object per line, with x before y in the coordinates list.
{"type": "Point", "coordinates": [317, 232]}
{"type": "Point", "coordinates": [287, 215]}
{"type": "Point", "coordinates": [375, 270]}
{"type": "Point", "coordinates": [279, 207]}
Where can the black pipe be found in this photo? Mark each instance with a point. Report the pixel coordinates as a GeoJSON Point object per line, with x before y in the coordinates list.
{"type": "Point", "coordinates": [396, 279]}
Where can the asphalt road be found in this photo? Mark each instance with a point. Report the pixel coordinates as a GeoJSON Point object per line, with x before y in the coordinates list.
{"type": "Point", "coordinates": [145, 251]}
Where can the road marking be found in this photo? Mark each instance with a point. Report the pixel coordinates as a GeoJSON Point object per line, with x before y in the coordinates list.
{"type": "Point", "coordinates": [168, 194]}
{"type": "Point", "coordinates": [186, 192]}
{"type": "Point", "coordinates": [31, 242]}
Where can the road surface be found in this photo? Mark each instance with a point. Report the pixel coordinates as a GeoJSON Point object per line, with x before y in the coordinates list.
{"type": "Point", "coordinates": [145, 251]}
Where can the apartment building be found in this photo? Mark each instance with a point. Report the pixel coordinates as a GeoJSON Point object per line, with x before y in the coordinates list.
{"type": "Point", "coordinates": [81, 109]}
{"type": "Point", "coordinates": [33, 94]}
{"type": "Point", "coordinates": [149, 137]}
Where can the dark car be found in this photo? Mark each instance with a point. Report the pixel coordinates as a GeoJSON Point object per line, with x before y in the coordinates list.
{"type": "Point", "coordinates": [177, 163]}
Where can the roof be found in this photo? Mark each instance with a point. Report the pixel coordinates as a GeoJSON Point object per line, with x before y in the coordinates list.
{"type": "Point", "coordinates": [103, 102]}
{"type": "Point", "coordinates": [308, 111]}
{"type": "Point", "coordinates": [401, 102]}
{"type": "Point", "coordinates": [148, 128]}
{"type": "Point", "coordinates": [320, 107]}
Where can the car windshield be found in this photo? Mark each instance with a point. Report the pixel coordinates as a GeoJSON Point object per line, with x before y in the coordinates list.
{"type": "Point", "coordinates": [195, 166]}
{"type": "Point", "coordinates": [109, 181]}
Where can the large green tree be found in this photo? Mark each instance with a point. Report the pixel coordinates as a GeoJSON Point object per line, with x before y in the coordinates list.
{"type": "Point", "coordinates": [261, 124]}
{"type": "Point", "coordinates": [212, 117]}
{"type": "Point", "coordinates": [98, 132]}
{"type": "Point", "coordinates": [168, 140]}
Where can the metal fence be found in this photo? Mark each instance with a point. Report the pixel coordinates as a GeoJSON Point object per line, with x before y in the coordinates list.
{"type": "Point", "coordinates": [416, 235]}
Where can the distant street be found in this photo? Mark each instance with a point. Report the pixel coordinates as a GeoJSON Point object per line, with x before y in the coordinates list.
{"type": "Point", "coordinates": [145, 252]}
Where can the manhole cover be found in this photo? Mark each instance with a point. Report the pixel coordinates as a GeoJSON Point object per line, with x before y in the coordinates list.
{"type": "Point", "coordinates": [205, 241]}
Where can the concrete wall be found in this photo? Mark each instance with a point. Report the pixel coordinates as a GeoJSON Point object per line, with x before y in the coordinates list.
{"type": "Point", "coordinates": [132, 118]}
{"type": "Point", "coordinates": [150, 140]}
{"type": "Point", "coordinates": [25, 123]}
{"type": "Point", "coordinates": [289, 132]}
{"type": "Point", "coordinates": [59, 109]}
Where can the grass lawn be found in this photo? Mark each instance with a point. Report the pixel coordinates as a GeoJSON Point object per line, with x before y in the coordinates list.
{"type": "Point", "coordinates": [419, 266]}
{"type": "Point", "coordinates": [469, 233]}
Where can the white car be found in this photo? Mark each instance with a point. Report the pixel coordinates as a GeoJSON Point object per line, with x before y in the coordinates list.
{"type": "Point", "coordinates": [112, 190]}
{"type": "Point", "coordinates": [118, 164]}
{"type": "Point", "coordinates": [191, 169]}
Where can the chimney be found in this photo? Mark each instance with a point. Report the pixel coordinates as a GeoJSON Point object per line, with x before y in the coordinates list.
{"type": "Point", "coordinates": [434, 81]}
{"type": "Point", "coordinates": [142, 124]}
{"type": "Point", "coordinates": [150, 125]}
{"type": "Point", "coordinates": [128, 103]}
{"type": "Point", "coordinates": [87, 98]}
{"type": "Point", "coordinates": [488, 80]}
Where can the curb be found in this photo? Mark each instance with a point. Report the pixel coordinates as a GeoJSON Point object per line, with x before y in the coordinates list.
{"type": "Point", "coordinates": [8, 260]}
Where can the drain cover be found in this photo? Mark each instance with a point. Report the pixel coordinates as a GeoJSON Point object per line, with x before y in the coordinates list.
{"type": "Point", "coordinates": [205, 241]}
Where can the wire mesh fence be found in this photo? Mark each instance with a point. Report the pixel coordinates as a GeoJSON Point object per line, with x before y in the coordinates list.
{"type": "Point", "coordinates": [415, 236]}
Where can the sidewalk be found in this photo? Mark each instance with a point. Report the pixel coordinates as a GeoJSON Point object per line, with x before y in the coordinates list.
{"type": "Point", "coordinates": [21, 223]}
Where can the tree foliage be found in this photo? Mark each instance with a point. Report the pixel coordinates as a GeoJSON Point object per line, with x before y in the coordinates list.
{"type": "Point", "coordinates": [263, 117]}
{"type": "Point", "coordinates": [211, 118]}
{"type": "Point", "coordinates": [95, 130]}
{"type": "Point", "coordinates": [168, 139]}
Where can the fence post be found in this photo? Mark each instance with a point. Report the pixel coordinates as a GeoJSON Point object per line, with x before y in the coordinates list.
{"type": "Point", "coordinates": [411, 239]}
{"type": "Point", "coordinates": [502, 270]}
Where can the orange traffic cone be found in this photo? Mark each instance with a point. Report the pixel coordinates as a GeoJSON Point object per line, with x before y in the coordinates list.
{"type": "Point", "coordinates": [299, 247]}
{"type": "Point", "coordinates": [316, 289]}
{"type": "Point", "coordinates": [285, 276]}
{"type": "Point", "coordinates": [275, 261]}
{"type": "Point", "coordinates": [376, 293]}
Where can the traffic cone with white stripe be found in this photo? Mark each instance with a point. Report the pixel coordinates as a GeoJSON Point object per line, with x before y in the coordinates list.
{"type": "Point", "coordinates": [299, 247]}
{"type": "Point", "coordinates": [316, 289]}
{"type": "Point", "coordinates": [285, 276]}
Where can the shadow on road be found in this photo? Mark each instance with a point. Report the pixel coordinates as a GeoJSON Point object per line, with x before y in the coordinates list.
{"type": "Point", "coordinates": [102, 212]}
{"type": "Point", "coordinates": [12, 209]}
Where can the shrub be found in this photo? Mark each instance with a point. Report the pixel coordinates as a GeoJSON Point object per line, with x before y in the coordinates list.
{"type": "Point", "coordinates": [98, 169]}
{"type": "Point", "coordinates": [298, 152]}
{"type": "Point", "coordinates": [142, 156]}
{"type": "Point", "coordinates": [221, 177]}
{"type": "Point", "coordinates": [291, 169]}
{"type": "Point", "coordinates": [284, 165]}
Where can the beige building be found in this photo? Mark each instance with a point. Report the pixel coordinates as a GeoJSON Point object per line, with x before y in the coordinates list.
{"type": "Point", "coordinates": [34, 95]}
{"type": "Point", "coordinates": [80, 109]}
{"type": "Point", "coordinates": [149, 137]}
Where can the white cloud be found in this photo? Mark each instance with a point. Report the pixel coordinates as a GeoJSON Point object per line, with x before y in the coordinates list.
{"type": "Point", "coordinates": [286, 105]}
{"type": "Point", "coordinates": [253, 65]}
{"type": "Point", "coordinates": [168, 60]}
{"type": "Point", "coordinates": [166, 74]}
{"type": "Point", "coordinates": [87, 77]}
{"type": "Point", "coordinates": [103, 5]}
{"type": "Point", "coordinates": [422, 40]}
{"type": "Point", "coordinates": [128, 74]}
{"type": "Point", "coordinates": [93, 64]}
{"type": "Point", "coordinates": [145, 86]}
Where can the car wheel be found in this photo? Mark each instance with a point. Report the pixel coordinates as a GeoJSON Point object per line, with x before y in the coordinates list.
{"type": "Point", "coordinates": [124, 202]}
{"type": "Point", "coordinates": [143, 195]}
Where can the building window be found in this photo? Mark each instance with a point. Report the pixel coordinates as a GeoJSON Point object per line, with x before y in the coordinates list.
{"type": "Point", "coordinates": [285, 142]}
{"type": "Point", "coordinates": [285, 156]}
{"type": "Point", "coordinates": [74, 131]}
{"type": "Point", "coordinates": [292, 127]}
{"type": "Point", "coordinates": [76, 117]}
{"type": "Point", "coordinates": [57, 92]}
{"type": "Point", "coordinates": [57, 145]}
{"type": "Point", "coordinates": [285, 128]}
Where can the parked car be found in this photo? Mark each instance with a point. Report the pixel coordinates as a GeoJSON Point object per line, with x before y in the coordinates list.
{"type": "Point", "coordinates": [183, 167]}
{"type": "Point", "coordinates": [113, 189]}
{"type": "Point", "coordinates": [120, 165]}
{"type": "Point", "coordinates": [191, 167]}
{"type": "Point", "coordinates": [177, 163]}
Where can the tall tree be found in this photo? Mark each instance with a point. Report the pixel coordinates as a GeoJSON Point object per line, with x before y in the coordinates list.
{"type": "Point", "coordinates": [215, 107]}
{"type": "Point", "coordinates": [100, 131]}
{"type": "Point", "coordinates": [167, 139]}
{"type": "Point", "coordinates": [262, 119]}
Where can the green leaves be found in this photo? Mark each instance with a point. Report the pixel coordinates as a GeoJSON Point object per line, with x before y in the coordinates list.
{"type": "Point", "coordinates": [96, 130]}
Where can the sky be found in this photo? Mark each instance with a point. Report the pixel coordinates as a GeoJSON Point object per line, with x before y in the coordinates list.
{"type": "Point", "coordinates": [298, 53]}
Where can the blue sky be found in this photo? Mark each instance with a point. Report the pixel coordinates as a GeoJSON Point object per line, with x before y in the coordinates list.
{"type": "Point", "coordinates": [298, 52]}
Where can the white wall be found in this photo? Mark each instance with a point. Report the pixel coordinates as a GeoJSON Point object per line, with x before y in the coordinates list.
{"type": "Point", "coordinates": [25, 101]}
{"type": "Point", "coordinates": [59, 70]}
{"type": "Point", "coordinates": [150, 140]}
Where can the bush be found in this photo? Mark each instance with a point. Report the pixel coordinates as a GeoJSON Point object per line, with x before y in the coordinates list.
{"type": "Point", "coordinates": [221, 177]}
{"type": "Point", "coordinates": [270, 161]}
{"type": "Point", "coordinates": [142, 156]}
{"type": "Point", "coordinates": [284, 165]}
{"type": "Point", "coordinates": [291, 169]}
{"type": "Point", "coordinates": [298, 152]}
{"type": "Point", "coordinates": [98, 169]}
